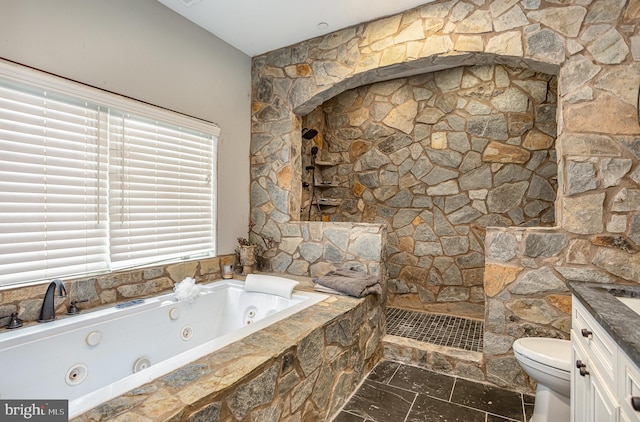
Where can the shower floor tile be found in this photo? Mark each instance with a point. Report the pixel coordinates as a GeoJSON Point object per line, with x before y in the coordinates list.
{"type": "Point", "coordinates": [443, 330]}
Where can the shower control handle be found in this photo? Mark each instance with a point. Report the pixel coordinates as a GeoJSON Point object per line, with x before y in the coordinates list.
{"type": "Point", "coordinates": [586, 333]}
{"type": "Point", "coordinates": [635, 403]}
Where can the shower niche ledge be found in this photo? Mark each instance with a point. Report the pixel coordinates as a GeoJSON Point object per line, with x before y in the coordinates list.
{"type": "Point", "coordinates": [327, 202]}
{"type": "Point", "coordinates": [326, 163]}
{"type": "Point", "coordinates": [326, 183]}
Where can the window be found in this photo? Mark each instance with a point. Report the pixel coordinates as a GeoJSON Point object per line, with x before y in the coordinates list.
{"type": "Point", "coordinates": [91, 182]}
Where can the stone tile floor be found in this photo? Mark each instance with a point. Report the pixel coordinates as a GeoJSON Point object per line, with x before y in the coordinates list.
{"type": "Point", "coordinates": [394, 392]}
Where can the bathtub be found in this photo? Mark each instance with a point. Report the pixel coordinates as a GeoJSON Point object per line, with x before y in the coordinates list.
{"type": "Point", "coordinates": [96, 356]}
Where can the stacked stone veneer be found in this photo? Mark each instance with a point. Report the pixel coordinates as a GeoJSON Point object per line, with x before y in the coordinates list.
{"type": "Point", "coordinates": [593, 47]}
{"type": "Point", "coordinates": [315, 248]}
{"type": "Point", "coordinates": [300, 369]}
{"type": "Point", "coordinates": [106, 289]}
{"type": "Point", "coordinates": [437, 158]}
{"type": "Point", "coordinates": [599, 242]}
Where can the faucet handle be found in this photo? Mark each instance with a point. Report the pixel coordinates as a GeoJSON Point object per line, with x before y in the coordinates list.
{"type": "Point", "coordinates": [62, 290]}
{"type": "Point", "coordinates": [15, 322]}
{"type": "Point", "coordinates": [73, 309]}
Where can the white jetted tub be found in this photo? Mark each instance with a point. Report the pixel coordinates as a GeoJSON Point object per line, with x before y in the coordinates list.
{"type": "Point", "coordinates": [95, 356]}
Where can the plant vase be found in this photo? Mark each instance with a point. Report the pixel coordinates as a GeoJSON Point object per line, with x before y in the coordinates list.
{"type": "Point", "coordinates": [264, 261]}
{"type": "Point", "coordinates": [247, 258]}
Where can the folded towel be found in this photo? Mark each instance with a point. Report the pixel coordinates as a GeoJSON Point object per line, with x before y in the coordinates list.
{"type": "Point", "coordinates": [262, 283]}
{"type": "Point", "coordinates": [323, 289]}
{"type": "Point", "coordinates": [356, 275]}
{"type": "Point", "coordinates": [350, 282]}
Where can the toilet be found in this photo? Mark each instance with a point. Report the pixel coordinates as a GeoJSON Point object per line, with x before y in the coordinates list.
{"type": "Point", "coordinates": [548, 362]}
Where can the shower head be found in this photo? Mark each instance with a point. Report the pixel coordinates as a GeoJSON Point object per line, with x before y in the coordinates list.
{"type": "Point", "coordinates": [309, 133]}
{"type": "Point", "coordinates": [314, 151]}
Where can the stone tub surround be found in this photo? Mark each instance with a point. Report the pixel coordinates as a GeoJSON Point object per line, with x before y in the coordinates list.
{"type": "Point", "coordinates": [107, 289]}
{"type": "Point", "coordinates": [299, 369]}
{"type": "Point", "coordinates": [594, 49]}
{"type": "Point", "coordinates": [618, 320]}
{"type": "Point", "coordinates": [438, 157]}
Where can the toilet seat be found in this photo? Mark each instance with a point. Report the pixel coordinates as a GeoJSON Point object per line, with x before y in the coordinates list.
{"type": "Point", "coordinates": [551, 352]}
{"type": "Point", "coordinates": [547, 361]}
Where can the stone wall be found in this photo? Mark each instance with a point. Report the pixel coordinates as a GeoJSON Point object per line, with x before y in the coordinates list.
{"type": "Point", "coordinates": [314, 248]}
{"type": "Point", "coordinates": [593, 47]}
{"type": "Point", "coordinates": [438, 158]}
{"type": "Point", "coordinates": [599, 242]}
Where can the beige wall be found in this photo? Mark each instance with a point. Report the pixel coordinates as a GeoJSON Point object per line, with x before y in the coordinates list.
{"type": "Point", "coordinates": [144, 50]}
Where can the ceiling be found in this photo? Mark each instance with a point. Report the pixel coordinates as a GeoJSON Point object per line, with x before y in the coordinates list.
{"type": "Point", "coordinates": [258, 26]}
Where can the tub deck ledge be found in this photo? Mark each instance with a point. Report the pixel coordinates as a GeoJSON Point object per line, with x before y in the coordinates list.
{"type": "Point", "coordinates": [274, 370]}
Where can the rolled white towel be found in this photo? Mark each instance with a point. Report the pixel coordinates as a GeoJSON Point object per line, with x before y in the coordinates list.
{"type": "Point", "coordinates": [270, 284]}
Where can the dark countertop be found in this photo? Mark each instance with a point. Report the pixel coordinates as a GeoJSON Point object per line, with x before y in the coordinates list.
{"type": "Point", "coordinates": [617, 319]}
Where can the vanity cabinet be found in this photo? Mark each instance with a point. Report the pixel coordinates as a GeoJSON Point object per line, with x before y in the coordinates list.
{"type": "Point", "coordinates": [604, 381]}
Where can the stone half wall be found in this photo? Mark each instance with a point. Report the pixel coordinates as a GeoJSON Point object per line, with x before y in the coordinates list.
{"type": "Point", "coordinates": [315, 248]}
{"type": "Point", "coordinates": [438, 158]}
{"type": "Point", "coordinates": [593, 47]}
{"type": "Point", "coordinates": [599, 242]}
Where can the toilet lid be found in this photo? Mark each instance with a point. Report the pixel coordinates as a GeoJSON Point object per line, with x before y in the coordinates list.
{"type": "Point", "coordinates": [547, 351]}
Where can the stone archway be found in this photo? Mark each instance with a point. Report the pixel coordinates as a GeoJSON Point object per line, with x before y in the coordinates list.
{"type": "Point", "coordinates": [594, 49]}
{"type": "Point", "coordinates": [294, 80]}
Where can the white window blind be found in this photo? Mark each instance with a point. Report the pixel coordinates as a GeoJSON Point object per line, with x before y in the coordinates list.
{"type": "Point", "coordinates": [91, 182]}
{"type": "Point", "coordinates": [160, 189]}
{"type": "Point", "coordinates": [53, 190]}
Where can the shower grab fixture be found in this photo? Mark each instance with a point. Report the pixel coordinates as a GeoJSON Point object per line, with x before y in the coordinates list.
{"type": "Point", "coordinates": [309, 134]}
{"type": "Point", "coordinates": [312, 167]}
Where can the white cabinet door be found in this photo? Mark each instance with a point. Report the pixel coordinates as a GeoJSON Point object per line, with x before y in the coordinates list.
{"type": "Point", "coordinates": [626, 418]}
{"type": "Point", "coordinates": [579, 385]}
{"type": "Point", "coordinates": [605, 405]}
{"type": "Point", "coordinates": [592, 400]}
{"type": "Point", "coordinates": [628, 389]}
